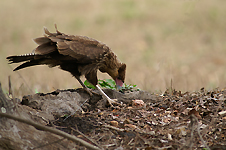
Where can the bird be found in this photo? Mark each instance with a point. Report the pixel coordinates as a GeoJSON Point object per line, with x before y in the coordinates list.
{"type": "Point", "coordinates": [79, 55]}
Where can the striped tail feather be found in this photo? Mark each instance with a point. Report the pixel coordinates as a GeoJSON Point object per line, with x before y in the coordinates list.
{"type": "Point", "coordinates": [28, 59]}
{"type": "Point", "coordinates": [17, 59]}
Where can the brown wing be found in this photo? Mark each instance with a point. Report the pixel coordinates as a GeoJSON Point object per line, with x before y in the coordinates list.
{"type": "Point", "coordinates": [83, 49]}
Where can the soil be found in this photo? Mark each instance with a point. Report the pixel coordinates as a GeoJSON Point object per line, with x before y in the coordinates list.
{"type": "Point", "coordinates": [140, 120]}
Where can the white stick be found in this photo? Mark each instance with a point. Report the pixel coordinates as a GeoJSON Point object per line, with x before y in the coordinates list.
{"type": "Point", "coordinates": [105, 95]}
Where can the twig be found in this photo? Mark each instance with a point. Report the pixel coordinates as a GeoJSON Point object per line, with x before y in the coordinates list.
{"type": "Point", "coordinates": [143, 139]}
{"type": "Point", "coordinates": [75, 110]}
{"type": "Point", "coordinates": [51, 130]}
{"type": "Point", "coordinates": [109, 145]}
{"type": "Point", "coordinates": [11, 96]}
{"type": "Point", "coordinates": [192, 133]}
{"type": "Point", "coordinates": [115, 128]}
{"type": "Point", "coordinates": [10, 87]}
{"type": "Point", "coordinates": [101, 137]}
{"type": "Point", "coordinates": [198, 130]}
{"type": "Point", "coordinates": [130, 141]}
{"type": "Point", "coordinates": [5, 103]}
{"type": "Point", "coordinates": [94, 142]}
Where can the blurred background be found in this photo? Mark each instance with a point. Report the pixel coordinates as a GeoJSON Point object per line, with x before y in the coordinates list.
{"type": "Point", "coordinates": [182, 42]}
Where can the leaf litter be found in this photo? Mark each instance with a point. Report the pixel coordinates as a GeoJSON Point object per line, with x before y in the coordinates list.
{"type": "Point", "coordinates": [175, 120]}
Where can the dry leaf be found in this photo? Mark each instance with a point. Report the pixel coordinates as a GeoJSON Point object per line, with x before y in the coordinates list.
{"type": "Point", "coordinates": [138, 103]}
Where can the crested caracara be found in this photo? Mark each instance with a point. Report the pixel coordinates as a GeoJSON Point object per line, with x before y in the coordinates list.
{"type": "Point", "coordinates": [79, 55]}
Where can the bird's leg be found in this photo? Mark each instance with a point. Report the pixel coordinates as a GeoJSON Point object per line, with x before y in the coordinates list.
{"type": "Point", "coordinates": [105, 96]}
{"type": "Point", "coordinates": [84, 87]}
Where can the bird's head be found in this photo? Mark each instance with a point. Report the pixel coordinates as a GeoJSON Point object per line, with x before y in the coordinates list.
{"type": "Point", "coordinates": [118, 74]}
{"type": "Point", "coordinates": [117, 70]}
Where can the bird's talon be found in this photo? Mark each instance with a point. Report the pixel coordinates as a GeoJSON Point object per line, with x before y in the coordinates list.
{"type": "Point", "coordinates": [88, 91]}
{"type": "Point", "coordinates": [113, 101]}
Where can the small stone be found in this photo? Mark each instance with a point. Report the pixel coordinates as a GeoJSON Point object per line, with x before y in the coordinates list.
{"type": "Point", "coordinates": [114, 123]}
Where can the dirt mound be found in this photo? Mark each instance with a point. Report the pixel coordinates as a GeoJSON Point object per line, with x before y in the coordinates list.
{"type": "Point", "coordinates": [172, 120]}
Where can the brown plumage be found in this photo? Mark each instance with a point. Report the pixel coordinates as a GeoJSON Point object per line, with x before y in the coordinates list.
{"type": "Point", "coordinates": [79, 55]}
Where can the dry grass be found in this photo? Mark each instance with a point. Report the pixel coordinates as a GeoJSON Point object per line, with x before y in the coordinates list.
{"type": "Point", "coordinates": [159, 40]}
